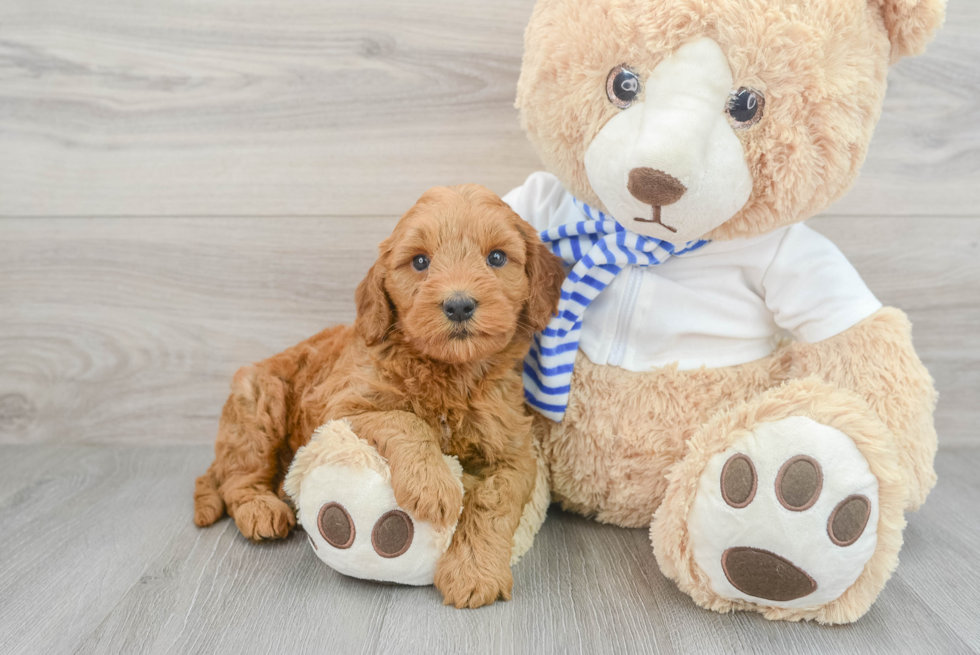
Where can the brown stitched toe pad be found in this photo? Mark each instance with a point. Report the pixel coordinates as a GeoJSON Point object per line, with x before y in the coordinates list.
{"type": "Point", "coordinates": [336, 525]}
{"type": "Point", "coordinates": [738, 481]}
{"type": "Point", "coordinates": [798, 483]}
{"type": "Point", "coordinates": [392, 534]}
{"type": "Point", "coordinates": [766, 575]}
{"type": "Point", "coordinates": [848, 520]}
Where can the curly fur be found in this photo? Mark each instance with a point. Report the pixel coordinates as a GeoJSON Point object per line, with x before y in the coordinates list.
{"type": "Point", "coordinates": [412, 384]}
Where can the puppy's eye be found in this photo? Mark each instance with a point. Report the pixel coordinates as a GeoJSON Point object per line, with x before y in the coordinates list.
{"type": "Point", "coordinates": [622, 86]}
{"type": "Point", "coordinates": [497, 258]}
{"type": "Point", "coordinates": [745, 108]}
{"type": "Point", "coordinates": [420, 262]}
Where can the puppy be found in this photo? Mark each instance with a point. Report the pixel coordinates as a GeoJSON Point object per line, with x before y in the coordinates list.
{"type": "Point", "coordinates": [431, 366]}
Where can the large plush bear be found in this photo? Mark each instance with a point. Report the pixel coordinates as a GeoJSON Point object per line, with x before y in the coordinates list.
{"type": "Point", "coordinates": [718, 370]}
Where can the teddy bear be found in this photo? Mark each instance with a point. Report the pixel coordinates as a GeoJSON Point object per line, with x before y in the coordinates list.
{"type": "Point", "coordinates": [718, 371]}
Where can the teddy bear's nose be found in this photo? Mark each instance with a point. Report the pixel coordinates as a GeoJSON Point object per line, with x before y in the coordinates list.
{"type": "Point", "coordinates": [653, 187]}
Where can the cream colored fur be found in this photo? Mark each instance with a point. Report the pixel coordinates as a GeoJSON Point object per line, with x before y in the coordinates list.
{"type": "Point", "coordinates": [822, 65]}
{"type": "Point", "coordinates": [624, 466]}
{"type": "Point", "coordinates": [823, 403]}
{"type": "Point", "coordinates": [635, 444]}
{"type": "Point", "coordinates": [534, 511]}
{"type": "Point", "coordinates": [335, 443]}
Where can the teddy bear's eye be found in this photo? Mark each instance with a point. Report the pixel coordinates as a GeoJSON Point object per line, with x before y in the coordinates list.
{"type": "Point", "coordinates": [745, 108]}
{"type": "Point", "coordinates": [622, 86]}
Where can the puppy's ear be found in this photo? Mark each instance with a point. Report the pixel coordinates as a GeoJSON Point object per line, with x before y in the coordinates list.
{"type": "Point", "coordinates": [911, 24]}
{"type": "Point", "coordinates": [545, 273]}
{"type": "Point", "coordinates": [374, 311]}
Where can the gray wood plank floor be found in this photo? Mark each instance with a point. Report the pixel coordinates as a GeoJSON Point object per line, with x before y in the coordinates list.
{"type": "Point", "coordinates": [100, 556]}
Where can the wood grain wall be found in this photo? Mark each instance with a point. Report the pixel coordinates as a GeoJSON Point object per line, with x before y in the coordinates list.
{"type": "Point", "coordinates": [186, 186]}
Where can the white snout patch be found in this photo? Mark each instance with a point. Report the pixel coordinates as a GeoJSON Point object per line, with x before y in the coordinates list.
{"type": "Point", "coordinates": [681, 128]}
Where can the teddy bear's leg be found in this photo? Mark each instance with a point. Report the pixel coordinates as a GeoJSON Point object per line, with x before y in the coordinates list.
{"type": "Point", "coordinates": [342, 491]}
{"type": "Point", "coordinates": [877, 361]}
{"type": "Point", "coordinates": [341, 487]}
{"type": "Point", "coordinates": [791, 504]}
{"type": "Point", "coordinates": [609, 457]}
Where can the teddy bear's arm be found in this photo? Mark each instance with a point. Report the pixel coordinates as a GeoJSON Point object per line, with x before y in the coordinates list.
{"type": "Point", "coordinates": [876, 360]}
{"type": "Point", "coordinates": [845, 336]}
{"type": "Point", "coordinates": [811, 288]}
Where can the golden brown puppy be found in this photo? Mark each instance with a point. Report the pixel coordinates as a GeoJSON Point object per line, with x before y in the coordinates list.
{"type": "Point", "coordinates": [431, 366]}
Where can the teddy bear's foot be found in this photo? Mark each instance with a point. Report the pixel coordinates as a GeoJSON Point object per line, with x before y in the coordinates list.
{"type": "Point", "coordinates": [345, 502]}
{"type": "Point", "coordinates": [787, 517]}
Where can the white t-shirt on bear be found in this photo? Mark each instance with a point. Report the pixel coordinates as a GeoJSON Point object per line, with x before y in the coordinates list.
{"type": "Point", "coordinates": [727, 303]}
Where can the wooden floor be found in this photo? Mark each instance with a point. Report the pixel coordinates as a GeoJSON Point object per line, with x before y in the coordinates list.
{"type": "Point", "coordinates": [99, 556]}
{"type": "Point", "coordinates": [189, 186]}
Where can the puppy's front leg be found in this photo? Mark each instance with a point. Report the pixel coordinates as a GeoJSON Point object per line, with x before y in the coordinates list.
{"type": "Point", "coordinates": [423, 484]}
{"type": "Point", "coordinates": [475, 571]}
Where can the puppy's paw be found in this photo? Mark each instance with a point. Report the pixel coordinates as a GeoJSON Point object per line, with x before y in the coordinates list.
{"type": "Point", "coordinates": [434, 496]}
{"type": "Point", "coordinates": [466, 582]}
{"type": "Point", "coordinates": [264, 517]}
{"type": "Point", "coordinates": [206, 514]}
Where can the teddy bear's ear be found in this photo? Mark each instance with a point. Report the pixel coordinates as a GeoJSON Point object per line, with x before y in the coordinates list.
{"type": "Point", "coordinates": [911, 24]}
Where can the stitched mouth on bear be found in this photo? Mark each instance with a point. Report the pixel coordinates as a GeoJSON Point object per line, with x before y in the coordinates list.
{"type": "Point", "coordinates": [655, 219]}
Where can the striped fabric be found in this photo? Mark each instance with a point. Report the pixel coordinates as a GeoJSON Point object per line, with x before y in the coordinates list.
{"type": "Point", "coordinates": [597, 249]}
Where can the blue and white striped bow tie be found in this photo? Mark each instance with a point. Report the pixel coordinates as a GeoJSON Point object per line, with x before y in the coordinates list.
{"type": "Point", "coordinates": [598, 249]}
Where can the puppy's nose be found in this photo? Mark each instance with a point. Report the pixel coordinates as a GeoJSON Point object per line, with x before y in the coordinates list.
{"type": "Point", "coordinates": [459, 308]}
{"type": "Point", "coordinates": [653, 187]}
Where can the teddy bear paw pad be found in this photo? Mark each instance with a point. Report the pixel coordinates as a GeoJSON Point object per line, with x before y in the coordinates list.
{"type": "Point", "coordinates": [335, 526]}
{"type": "Point", "coordinates": [786, 517]}
{"type": "Point", "coordinates": [355, 526]}
{"type": "Point", "coordinates": [392, 534]}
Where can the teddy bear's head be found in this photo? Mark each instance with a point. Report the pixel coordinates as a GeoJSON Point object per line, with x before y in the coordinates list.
{"type": "Point", "coordinates": [711, 118]}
